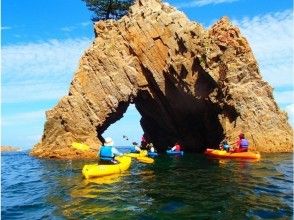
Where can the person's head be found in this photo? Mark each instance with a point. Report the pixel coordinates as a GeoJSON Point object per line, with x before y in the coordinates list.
{"type": "Point", "coordinates": [241, 136]}
{"type": "Point", "coordinates": [108, 142]}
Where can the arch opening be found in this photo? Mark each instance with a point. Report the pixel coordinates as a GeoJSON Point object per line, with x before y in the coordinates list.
{"type": "Point", "coordinates": [180, 113]}
{"type": "Point", "coordinates": [123, 126]}
{"type": "Point", "coordinates": [176, 111]}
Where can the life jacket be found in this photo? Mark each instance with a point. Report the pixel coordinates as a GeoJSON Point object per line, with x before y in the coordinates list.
{"type": "Point", "coordinates": [244, 143]}
{"type": "Point", "coordinates": [106, 153]}
{"type": "Point", "coordinates": [178, 147]}
{"type": "Point", "coordinates": [226, 146]}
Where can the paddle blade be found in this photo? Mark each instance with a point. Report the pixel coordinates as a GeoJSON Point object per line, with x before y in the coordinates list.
{"type": "Point", "coordinates": [80, 146]}
{"type": "Point", "coordinates": [145, 159]}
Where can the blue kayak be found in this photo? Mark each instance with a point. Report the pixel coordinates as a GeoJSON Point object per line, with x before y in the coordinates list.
{"type": "Point", "coordinates": [152, 154]}
{"type": "Point", "coordinates": [171, 152]}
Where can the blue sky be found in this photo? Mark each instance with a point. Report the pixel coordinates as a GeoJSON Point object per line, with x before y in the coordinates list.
{"type": "Point", "coordinates": [42, 41]}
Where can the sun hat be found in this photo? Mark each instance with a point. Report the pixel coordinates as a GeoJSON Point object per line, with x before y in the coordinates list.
{"type": "Point", "coordinates": [108, 142]}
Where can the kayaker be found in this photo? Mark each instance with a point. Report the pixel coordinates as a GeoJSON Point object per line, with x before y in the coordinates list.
{"type": "Point", "coordinates": [224, 145]}
{"type": "Point", "coordinates": [177, 147]}
{"type": "Point", "coordinates": [242, 144]}
{"type": "Point", "coordinates": [151, 148]}
{"type": "Point", "coordinates": [108, 152]}
{"type": "Point", "coordinates": [135, 148]}
{"type": "Point", "coordinates": [143, 142]}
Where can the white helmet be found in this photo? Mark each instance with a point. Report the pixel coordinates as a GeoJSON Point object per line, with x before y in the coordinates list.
{"type": "Point", "coordinates": [108, 142]}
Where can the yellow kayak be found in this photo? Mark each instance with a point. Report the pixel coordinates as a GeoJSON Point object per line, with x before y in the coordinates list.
{"type": "Point", "coordinates": [142, 153]}
{"type": "Point", "coordinates": [145, 159]}
{"type": "Point", "coordinates": [96, 170]}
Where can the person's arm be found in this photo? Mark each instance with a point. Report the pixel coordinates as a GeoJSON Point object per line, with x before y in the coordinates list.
{"type": "Point", "coordinates": [116, 152]}
{"type": "Point", "coordinates": [173, 148]}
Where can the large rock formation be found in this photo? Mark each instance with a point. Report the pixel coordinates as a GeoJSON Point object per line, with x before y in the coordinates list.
{"type": "Point", "coordinates": [188, 83]}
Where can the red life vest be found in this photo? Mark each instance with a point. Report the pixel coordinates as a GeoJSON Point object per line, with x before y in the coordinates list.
{"type": "Point", "coordinates": [178, 147]}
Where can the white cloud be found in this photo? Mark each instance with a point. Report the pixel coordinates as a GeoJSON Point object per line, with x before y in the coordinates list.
{"type": "Point", "coordinates": [46, 59]}
{"type": "Point", "coordinates": [30, 71]}
{"type": "Point", "coordinates": [85, 24]}
{"type": "Point", "coordinates": [290, 110]}
{"type": "Point", "coordinates": [6, 28]}
{"type": "Point", "coordinates": [23, 118]}
{"type": "Point", "coordinates": [271, 38]}
{"type": "Point", "coordinates": [284, 97]}
{"type": "Point", "coordinates": [200, 3]}
{"type": "Point", "coordinates": [68, 28]}
{"type": "Point", "coordinates": [76, 26]}
{"type": "Point", "coordinates": [33, 91]}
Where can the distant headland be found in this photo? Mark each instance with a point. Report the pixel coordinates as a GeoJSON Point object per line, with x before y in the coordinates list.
{"type": "Point", "coordinates": [9, 149]}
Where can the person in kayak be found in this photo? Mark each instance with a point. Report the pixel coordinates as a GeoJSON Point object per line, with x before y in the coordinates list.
{"type": "Point", "coordinates": [177, 147]}
{"type": "Point", "coordinates": [151, 148]}
{"type": "Point", "coordinates": [135, 148]}
{"type": "Point", "coordinates": [108, 152]}
{"type": "Point", "coordinates": [144, 142]}
{"type": "Point", "coordinates": [242, 144]}
{"type": "Point", "coordinates": [224, 145]}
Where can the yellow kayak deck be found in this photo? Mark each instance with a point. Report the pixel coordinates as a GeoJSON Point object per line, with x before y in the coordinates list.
{"type": "Point", "coordinates": [142, 153]}
{"type": "Point", "coordinates": [98, 170]}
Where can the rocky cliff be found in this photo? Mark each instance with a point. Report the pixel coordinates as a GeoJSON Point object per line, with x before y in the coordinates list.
{"type": "Point", "coordinates": [189, 84]}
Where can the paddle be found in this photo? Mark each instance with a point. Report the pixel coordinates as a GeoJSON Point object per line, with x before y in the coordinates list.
{"type": "Point", "coordinates": [145, 159]}
{"type": "Point", "coordinates": [80, 146]}
{"type": "Point", "coordinates": [141, 156]}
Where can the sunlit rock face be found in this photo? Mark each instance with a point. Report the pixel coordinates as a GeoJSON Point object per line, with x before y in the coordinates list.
{"type": "Point", "coordinates": [189, 84]}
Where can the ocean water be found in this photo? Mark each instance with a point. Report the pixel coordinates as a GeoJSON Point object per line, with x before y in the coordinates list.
{"type": "Point", "coordinates": [188, 187]}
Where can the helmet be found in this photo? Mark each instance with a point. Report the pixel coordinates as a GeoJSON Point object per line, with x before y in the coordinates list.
{"type": "Point", "coordinates": [108, 142]}
{"type": "Point", "coordinates": [241, 135]}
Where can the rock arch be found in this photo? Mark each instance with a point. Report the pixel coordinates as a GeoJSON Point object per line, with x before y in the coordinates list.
{"type": "Point", "coordinates": [188, 83]}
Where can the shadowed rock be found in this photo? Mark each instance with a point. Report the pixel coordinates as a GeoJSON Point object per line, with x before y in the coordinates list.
{"type": "Point", "coordinates": [189, 84]}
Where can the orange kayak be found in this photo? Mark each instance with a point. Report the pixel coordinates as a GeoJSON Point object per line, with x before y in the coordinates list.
{"type": "Point", "coordinates": [225, 154]}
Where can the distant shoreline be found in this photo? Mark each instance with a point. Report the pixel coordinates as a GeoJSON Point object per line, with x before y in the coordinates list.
{"type": "Point", "coordinates": [10, 149]}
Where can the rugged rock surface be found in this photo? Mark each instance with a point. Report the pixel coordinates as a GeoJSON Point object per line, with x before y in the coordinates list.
{"type": "Point", "coordinates": [188, 83]}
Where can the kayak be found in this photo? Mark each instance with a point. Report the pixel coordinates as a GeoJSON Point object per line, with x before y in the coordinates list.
{"type": "Point", "coordinates": [152, 154]}
{"type": "Point", "coordinates": [171, 152]}
{"type": "Point", "coordinates": [143, 153]}
{"type": "Point", "coordinates": [96, 170]}
{"type": "Point", "coordinates": [225, 154]}
{"type": "Point", "coordinates": [145, 159]}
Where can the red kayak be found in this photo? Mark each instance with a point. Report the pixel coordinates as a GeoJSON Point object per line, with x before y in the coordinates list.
{"type": "Point", "coordinates": [225, 154]}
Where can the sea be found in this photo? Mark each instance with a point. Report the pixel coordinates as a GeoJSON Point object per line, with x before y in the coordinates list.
{"type": "Point", "coordinates": [192, 186]}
